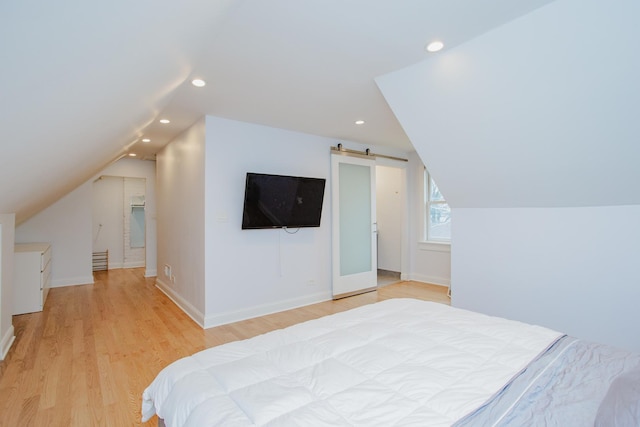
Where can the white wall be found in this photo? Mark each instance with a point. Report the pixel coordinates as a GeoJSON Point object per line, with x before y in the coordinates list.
{"type": "Point", "coordinates": [429, 262]}
{"type": "Point", "coordinates": [252, 272]}
{"type": "Point", "coordinates": [221, 272]}
{"type": "Point", "coordinates": [538, 114]}
{"type": "Point", "coordinates": [7, 229]}
{"type": "Point", "coordinates": [572, 269]}
{"type": "Point", "coordinates": [180, 187]}
{"type": "Point", "coordinates": [67, 226]}
{"type": "Point", "coordinates": [107, 220]}
{"type": "Point", "coordinates": [390, 216]}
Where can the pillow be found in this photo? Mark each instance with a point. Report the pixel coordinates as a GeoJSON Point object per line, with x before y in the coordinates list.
{"type": "Point", "coordinates": [621, 405]}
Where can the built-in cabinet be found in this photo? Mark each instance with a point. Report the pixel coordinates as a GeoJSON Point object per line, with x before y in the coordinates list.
{"type": "Point", "coordinates": [32, 277]}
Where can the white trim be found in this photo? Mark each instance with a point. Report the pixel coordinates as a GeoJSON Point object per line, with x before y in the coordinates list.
{"type": "Point", "coordinates": [128, 264]}
{"type": "Point", "coordinates": [150, 272]}
{"type": "Point", "coordinates": [433, 246]}
{"type": "Point", "coordinates": [72, 281]}
{"type": "Point", "coordinates": [430, 280]}
{"type": "Point", "coordinates": [6, 342]}
{"type": "Point", "coordinates": [265, 309]}
{"type": "Point", "coordinates": [133, 264]}
{"type": "Point", "coordinates": [182, 303]}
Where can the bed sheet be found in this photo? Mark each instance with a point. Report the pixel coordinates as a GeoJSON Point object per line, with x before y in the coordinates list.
{"type": "Point", "coordinates": [564, 387]}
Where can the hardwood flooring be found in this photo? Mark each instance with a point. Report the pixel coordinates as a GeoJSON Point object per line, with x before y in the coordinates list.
{"type": "Point", "coordinates": [85, 360]}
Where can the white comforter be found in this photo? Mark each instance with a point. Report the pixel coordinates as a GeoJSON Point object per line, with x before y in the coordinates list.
{"type": "Point", "coordinates": [398, 362]}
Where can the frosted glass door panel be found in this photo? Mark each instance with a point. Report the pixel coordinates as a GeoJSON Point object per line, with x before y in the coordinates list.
{"type": "Point", "coordinates": [355, 219]}
{"type": "Point", "coordinates": [353, 225]}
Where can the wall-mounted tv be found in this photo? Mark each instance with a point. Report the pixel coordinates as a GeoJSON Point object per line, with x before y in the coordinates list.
{"type": "Point", "coordinates": [279, 201]}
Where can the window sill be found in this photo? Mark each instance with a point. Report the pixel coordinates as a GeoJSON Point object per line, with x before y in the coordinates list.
{"type": "Point", "coordinates": [434, 246]}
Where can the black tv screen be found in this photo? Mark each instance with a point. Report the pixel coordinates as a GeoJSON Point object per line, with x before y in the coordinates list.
{"type": "Point", "coordinates": [279, 201]}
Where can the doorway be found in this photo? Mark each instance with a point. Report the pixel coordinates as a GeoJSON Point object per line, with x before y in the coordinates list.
{"type": "Point", "coordinates": [119, 221]}
{"type": "Point", "coordinates": [357, 259]}
{"type": "Point", "coordinates": [390, 211]}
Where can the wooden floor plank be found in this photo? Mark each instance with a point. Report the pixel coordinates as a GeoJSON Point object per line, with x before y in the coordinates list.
{"type": "Point", "coordinates": [85, 360]}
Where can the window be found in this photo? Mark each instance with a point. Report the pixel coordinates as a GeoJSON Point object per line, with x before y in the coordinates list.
{"type": "Point", "coordinates": [437, 212]}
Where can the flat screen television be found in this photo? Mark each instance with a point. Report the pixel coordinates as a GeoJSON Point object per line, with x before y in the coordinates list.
{"type": "Point", "coordinates": [279, 201]}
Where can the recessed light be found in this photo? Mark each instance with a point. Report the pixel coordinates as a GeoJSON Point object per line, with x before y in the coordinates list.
{"type": "Point", "coordinates": [198, 82]}
{"type": "Point", "coordinates": [359, 122]}
{"type": "Point", "coordinates": [165, 121]}
{"type": "Point", "coordinates": [132, 154]}
{"type": "Point", "coordinates": [435, 46]}
{"type": "Point", "coordinates": [146, 140]}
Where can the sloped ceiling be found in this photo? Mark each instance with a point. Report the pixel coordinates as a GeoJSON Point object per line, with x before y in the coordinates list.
{"type": "Point", "coordinates": [81, 83]}
{"type": "Point", "coordinates": [541, 112]}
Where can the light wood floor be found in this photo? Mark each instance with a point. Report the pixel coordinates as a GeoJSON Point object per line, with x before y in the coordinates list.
{"type": "Point", "coordinates": [85, 360]}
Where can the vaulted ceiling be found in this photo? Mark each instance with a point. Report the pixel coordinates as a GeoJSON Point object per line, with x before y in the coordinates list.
{"type": "Point", "coordinates": [83, 83]}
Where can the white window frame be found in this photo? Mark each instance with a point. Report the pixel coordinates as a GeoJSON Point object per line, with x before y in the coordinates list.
{"type": "Point", "coordinates": [427, 209]}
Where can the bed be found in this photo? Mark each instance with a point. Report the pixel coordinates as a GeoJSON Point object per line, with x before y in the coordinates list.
{"type": "Point", "coordinates": [400, 362]}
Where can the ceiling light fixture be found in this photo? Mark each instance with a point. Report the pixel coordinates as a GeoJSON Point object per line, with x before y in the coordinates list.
{"type": "Point", "coordinates": [165, 121]}
{"type": "Point", "coordinates": [132, 154]}
{"type": "Point", "coordinates": [198, 82]}
{"type": "Point", "coordinates": [146, 140]}
{"type": "Point", "coordinates": [359, 122]}
{"type": "Point", "coordinates": [434, 46]}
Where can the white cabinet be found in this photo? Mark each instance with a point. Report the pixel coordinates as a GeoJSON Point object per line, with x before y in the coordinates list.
{"type": "Point", "coordinates": [32, 277]}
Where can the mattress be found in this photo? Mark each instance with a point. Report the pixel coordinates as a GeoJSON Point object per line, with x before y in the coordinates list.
{"type": "Point", "coordinates": [398, 362]}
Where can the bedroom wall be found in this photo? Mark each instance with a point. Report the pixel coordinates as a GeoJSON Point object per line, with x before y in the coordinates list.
{"type": "Point", "coordinates": [7, 335]}
{"type": "Point", "coordinates": [530, 132]}
{"type": "Point", "coordinates": [429, 262]}
{"type": "Point", "coordinates": [254, 272]}
{"type": "Point", "coordinates": [571, 269]}
{"type": "Point", "coordinates": [245, 273]}
{"type": "Point", "coordinates": [68, 226]}
{"type": "Point", "coordinates": [180, 183]}
{"type": "Point", "coordinates": [390, 212]}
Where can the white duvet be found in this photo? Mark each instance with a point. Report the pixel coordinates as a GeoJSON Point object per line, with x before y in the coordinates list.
{"type": "Point", "coordinates": [399, 362]}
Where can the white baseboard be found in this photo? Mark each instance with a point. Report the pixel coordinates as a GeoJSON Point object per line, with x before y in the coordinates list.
{"type": "Point", "coordinates": [72, 281]}
{"type": "Point", "coordinates": [6, 342]}
{"type": "Point", "coordinates": [265, 309]}
{"type": "Point", "coordinates": [432, 280]}
{"type": "Point", "coordinates": [236, 316]}
{"type": "Point", "coordinates": [150, 272]}
{"type": "Point", "coordinates": [182, 303]}
{"type": "Point", "coordinates": [133, 264]}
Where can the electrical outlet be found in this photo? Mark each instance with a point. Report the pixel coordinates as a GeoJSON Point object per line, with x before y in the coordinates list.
{"type": "Point", "coordinates": [173, 279]}
{"type": "Point", "coordinates": [167, 271]}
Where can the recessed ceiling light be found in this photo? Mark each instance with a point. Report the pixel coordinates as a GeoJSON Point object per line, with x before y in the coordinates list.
{"type": "Point", "coordinates": [146, 140]}
{"type": "Point", "coordinates": [359, 122]}
{"type": "Point", "coordinates": [435, 46]}
{"type": "Point", "coordinates": [198, 82]}
{"type": "Point", "coordinates": [132, 154]}
{"type": "Point", "coordinates": [165, 121]}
